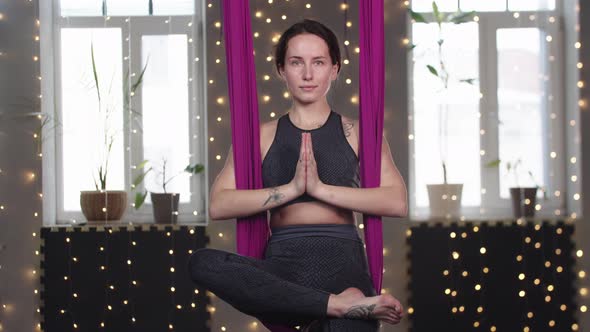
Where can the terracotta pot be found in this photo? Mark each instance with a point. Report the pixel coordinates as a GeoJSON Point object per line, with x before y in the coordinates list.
{"type": "Point", "coordinates": [165, 207]}
{"type": "Point", "coordinates": [523, 201]}
{"type": "Point", "coordinates": [445, 200]}
{"type": "Point", "coordinates": [100, 207]}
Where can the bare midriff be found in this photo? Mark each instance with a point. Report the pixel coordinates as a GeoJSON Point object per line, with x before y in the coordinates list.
{"type": "Point", "coordinates": [309, 213]}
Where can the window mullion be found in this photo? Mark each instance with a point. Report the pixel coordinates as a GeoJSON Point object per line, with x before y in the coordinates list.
{"type": "Point", "coordinates": [489, 112]}
{"type": "Point", "coordinates": [556, 71]}
{"type": "Point", "coordinates": [135, 130]}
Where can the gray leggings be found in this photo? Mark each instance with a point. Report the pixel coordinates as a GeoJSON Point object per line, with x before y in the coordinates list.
{"type": "Point", "coordinates": [302, 266]}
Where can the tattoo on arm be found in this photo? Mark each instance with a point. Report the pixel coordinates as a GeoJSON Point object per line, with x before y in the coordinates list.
{"type": "Point", "coordinates": [274, 195]}
{"type": "Point", "coordinates": [348, 128]}
{"type": "Point", "coordinates": [360, 311]}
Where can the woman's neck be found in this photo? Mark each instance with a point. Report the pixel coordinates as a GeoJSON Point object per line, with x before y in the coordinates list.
{"type": "Point", "coordinates": [311, 115]}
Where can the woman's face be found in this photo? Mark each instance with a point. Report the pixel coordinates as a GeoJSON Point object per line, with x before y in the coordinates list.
{"type": "Point", "coordinates": [308, 70]}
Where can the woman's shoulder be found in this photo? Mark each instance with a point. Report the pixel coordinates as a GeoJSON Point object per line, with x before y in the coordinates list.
{"type": "Point", "coordinates": [350, 125]}
{"type": "Point", "coordinates": [267, 131]}
{"type": "Point", "coordinates": [346, 119]}
{"type": "Point", "coordinates": [268, 126]}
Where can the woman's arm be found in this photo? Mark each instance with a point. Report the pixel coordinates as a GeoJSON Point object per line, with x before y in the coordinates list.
{"type": "Point", "coordinates": [389, 199]}
{"type": "Point", "coordinates": [227, 202]}
{"type": "Point", "coordinates": [380, 201]}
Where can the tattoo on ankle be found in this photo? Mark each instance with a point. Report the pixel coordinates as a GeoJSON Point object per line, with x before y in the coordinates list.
{"type": "Point", "coordinates": [274, 195]}
{"type": "Point", "coordinates": [360, 311]}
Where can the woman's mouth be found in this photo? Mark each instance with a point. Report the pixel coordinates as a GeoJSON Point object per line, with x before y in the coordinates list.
{"type": "Point", "coordinates": [308, 87]}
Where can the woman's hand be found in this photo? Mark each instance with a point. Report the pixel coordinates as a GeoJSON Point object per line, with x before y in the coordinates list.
{"type": "Point", "coordinates": [313, 182]}
{"type": "Point", "coordinates": [299, 178]}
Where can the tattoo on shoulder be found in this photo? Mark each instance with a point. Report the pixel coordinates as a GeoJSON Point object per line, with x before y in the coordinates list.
{"type": "Point", "coordinates": [274, 195]}
{"type": "Point", "coordinates": [347, 126]}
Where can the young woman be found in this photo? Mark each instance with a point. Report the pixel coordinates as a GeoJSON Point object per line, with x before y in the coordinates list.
{"type": "Point", "coordinates": [314, 273]}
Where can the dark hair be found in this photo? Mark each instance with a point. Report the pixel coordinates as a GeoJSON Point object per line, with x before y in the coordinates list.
{"type": "Point", "coordinates": [307, 26]}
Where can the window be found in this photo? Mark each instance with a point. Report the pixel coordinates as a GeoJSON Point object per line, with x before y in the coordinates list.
{"type": "Point", "coordinates": [163, 119]}
{"type": "Point", "coordinates": [512, 110]}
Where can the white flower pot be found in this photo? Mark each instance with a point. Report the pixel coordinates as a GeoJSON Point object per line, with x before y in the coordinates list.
{"type": "Point", "coordinates": [445, 200]}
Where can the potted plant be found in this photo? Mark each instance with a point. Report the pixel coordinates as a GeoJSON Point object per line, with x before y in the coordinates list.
{"type": "Point", "coordinates": [102, 205]}
{"type": "Point", "coordinates": [164, 205]}
{"type": "Point", "coordinates": [444, 199]}
{"type": "Point", "coordinates": [523, 198]}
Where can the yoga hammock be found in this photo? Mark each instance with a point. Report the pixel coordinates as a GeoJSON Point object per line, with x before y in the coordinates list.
{"type": "Point", "coordinates": [252, 232]}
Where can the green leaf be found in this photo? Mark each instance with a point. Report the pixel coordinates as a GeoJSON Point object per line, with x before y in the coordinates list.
{"type": "Point", "coordinates": [449, 17]}
{"type": "Point", "coordinates": [194, 169]}
{"type": "Point", "coordinates": [140, 199]}
{"type": "Point", "coordinates": [493, 163]}
{"type": "Point", "coordinates": [143, 163]}
{"type": "Point", "coordinates": [417, 17]}
{"type": "Point", "coordinates": [140, 78]}
{"type": "Point", "coordinates": [436, 13]}
{"type": "Point", "coordinates": [140, 178]}
{"type": "Point", "coordinates": [463, 17]}
{"type": "Point", "coordinates": [94, 71]}
{"type": "Point", "coordinates": [432, 70]}
{"type": "Point", "coordinates": [468, 80]}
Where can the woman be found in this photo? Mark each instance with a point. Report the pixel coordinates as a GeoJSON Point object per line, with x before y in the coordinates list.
{"type": "Point", "coordinates": [314, 273]}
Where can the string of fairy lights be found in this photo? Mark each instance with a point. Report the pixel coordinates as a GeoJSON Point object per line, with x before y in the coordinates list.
{"type": "Point", "coordinates": [31, 179]}
{"type": "Point", "coordinates": [551, 293]}
{"type": "Point", "coordinates": [533, 245]}
{"type": "Point", "coordinates": [135, 128]}
{"type": "Point", "coordinates": [173, 304]}
{"type": "Point", "coordinates": [553, 121]}
{"type": "Point", "coordinates": [552, 116]}
{"type": "Point", "coordinates": [107, 276]}
{"type": "Point", "coordinates": [131, 243]}
{"type": "Point", "coordinates": [548, 286]}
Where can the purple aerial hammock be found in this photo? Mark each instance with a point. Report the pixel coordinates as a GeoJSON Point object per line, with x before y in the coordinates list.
{"type": "Point", "coordinates": [252, 232]}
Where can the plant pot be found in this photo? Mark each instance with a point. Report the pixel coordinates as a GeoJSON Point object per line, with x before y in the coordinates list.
{"type": "Point", "coordinates": [445, 200]}
{"type": "Point", "coordinates": [165, 207]}
{"type": "Point", "coordinates": [100, 207]}
{"type": "Point", "coordinates": [523, 201]}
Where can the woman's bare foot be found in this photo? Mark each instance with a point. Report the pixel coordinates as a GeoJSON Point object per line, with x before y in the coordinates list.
{"type": "Point", "coordinates": [353, 304]}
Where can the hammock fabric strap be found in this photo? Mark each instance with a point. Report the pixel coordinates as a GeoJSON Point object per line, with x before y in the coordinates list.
{"type": "Point", "coordinates": [252, 232]}
{"type": "Point", "coordinates": [372, 100]}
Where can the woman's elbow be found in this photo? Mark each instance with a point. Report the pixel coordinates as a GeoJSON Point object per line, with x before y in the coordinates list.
{"type": "Point", "coordinates": [399, 209]}
{"type": "Point", "coordinates": [403, 210]}
{"type": "Point", "coordinates": [214, 212]}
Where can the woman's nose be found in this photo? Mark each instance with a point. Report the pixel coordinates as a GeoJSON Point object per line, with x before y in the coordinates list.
{"type": "Point", "coordinates": [307, 73]}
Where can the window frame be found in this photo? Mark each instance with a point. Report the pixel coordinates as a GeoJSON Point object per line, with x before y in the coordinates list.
{"type": "Point", "coordinates": [492, 205]}
{"type": "Point", "coordinates": [51, 24]}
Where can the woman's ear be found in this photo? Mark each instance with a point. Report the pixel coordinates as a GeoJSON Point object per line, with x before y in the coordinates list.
{"type": "Point", "coordinates": [334, 74]}
{"type": "Point", "coordinates": [281, 73]}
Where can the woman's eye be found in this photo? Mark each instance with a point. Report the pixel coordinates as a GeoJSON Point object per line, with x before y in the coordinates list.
{"type": "Point", "coordinates": [295, 63]}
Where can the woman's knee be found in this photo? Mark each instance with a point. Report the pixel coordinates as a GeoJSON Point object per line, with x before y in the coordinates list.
{"type": "Point", "coordinates": [199, 261]}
